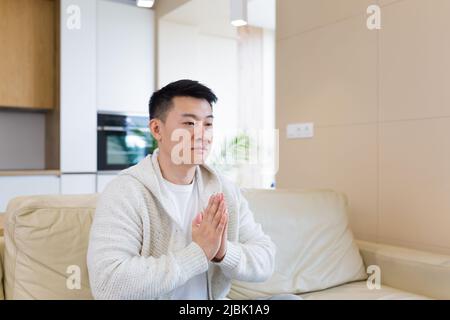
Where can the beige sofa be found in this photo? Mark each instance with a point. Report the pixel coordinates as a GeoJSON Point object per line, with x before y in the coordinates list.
{"type": "Point", "coordinates": [43, 252]}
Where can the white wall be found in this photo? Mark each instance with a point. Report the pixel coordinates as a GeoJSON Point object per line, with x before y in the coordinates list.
{"type": "Point", "coordinates": [189, 50]}
{"type": "Point", "coordinates": [186, 53]}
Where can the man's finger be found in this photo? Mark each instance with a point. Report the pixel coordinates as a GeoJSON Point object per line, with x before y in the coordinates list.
{"type": "Point", "coordinates": [222, 223]}
{"type": "Point", "coordinates": [215, 206]}
{"type": "Point", "coordinates": [225, 216]}
{"type": "Point", "coordinates": [198, 218]}
{"type": "Point", "coordinates": [195, 225]}
{"type": "Point", "coordinates": [219, 213]}
{"type": "Point", "coordinates": [207, 215]}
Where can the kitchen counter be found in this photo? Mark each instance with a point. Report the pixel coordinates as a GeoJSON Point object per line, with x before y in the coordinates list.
{"type": "Point", "coordinates": [10, 173]}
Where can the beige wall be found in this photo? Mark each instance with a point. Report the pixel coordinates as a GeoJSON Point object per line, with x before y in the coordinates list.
{"type": "Point", "coordinates": [380, 102]}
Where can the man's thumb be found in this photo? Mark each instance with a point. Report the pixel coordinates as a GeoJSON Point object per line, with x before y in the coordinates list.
{"type": "Point", "coordinates": [198, 219]}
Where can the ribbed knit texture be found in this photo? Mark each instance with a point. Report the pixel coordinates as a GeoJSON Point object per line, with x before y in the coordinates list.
{"type": "Point", "coordinates": [129, 255]}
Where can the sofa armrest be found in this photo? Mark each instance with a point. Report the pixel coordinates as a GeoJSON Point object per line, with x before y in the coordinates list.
{"type": "Point", "coordinates": [2, 255]}
{"type": "Point", "coordinates": [419, 272]}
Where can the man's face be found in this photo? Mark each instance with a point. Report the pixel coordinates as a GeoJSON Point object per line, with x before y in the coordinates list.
{"type": "Point", "coordinates": [186, 134]}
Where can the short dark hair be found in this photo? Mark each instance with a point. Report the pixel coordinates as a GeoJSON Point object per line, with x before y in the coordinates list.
{"type": "Point", "coordinates": [161, 100]}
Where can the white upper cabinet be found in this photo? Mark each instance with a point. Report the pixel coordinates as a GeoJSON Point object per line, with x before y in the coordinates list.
{"type": "Point", "coordinates": [78, 86]}
{"type": "Point", "coordinates": [107, 64]}
{"type": "Point", "coordinates": [125, 56]}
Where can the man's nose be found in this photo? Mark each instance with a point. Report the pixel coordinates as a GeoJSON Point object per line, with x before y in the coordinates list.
{"type": "Point", "coordinates": [199, 131]}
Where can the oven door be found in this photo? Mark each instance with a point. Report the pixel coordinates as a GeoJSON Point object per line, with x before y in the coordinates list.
{"type": "Point", "coordinates": [122, 147]}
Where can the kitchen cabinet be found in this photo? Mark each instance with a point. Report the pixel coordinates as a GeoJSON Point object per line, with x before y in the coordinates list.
{"type": "Point", "coordinates": [125, 57]}
{"type": "Point", "coordinates": [28, 54]}
{"type": "Point", "coordinates": [78, 114]}
{"type": "Point", "coordinates": [15, 186]}
{"type": "Point", "coordinates": [103, 180]}
{"type": "Point", "coordinates": [78, 184]}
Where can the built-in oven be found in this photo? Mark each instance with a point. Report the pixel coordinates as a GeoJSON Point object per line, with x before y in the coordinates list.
{"type": "Point", "coordinates": [123, 140]}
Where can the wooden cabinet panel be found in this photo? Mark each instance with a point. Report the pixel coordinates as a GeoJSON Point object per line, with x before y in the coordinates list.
{"type": "Point", "coordinates": [27, 55]}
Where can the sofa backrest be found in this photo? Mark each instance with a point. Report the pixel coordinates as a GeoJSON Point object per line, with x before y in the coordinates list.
{"type": "Point", "coordinates": [46, 240]}
{"type": "Point", "coordinates": [315, 246]}
{"type": "Point", "coordinates": [47, 237]}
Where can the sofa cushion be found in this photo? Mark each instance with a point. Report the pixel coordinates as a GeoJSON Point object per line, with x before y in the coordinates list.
{"type": "Point", "coordinates": [46, 240]}
{"type": "Point", "coordinates": [315, 246]}
{"type": "Point", "coordinates": [360, 291]}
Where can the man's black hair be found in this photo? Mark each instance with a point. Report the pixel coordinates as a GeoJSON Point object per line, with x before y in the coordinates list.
{"type": "Point", "coordinates": [161, 100]}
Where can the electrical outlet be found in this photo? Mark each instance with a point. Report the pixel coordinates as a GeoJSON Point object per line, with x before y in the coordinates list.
{"type": "Point", "coordinates": [300, 131]}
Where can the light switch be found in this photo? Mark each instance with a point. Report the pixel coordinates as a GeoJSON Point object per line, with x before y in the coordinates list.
{"type": "Point", "coordinates": [300, 131]}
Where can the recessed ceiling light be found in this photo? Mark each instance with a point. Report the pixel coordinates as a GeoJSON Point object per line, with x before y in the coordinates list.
{"type": "Point", "coordinates": [239, 23]}
{"type": "Point", "coordinates": [145, 3]}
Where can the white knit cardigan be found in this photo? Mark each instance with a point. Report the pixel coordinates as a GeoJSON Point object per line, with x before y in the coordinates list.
{"type": "Point", "coordinates": [128, 255]}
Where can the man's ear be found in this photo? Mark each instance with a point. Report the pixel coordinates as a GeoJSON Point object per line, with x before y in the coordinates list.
{"type": "Point", "coordinates": [155, 128]}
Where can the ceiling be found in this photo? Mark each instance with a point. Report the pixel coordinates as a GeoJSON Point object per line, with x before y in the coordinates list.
{"type": "Point", "coordinates": [213, 16]}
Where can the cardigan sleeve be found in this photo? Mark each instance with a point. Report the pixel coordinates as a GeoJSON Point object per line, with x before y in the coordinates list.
{"type": "Point", "coordinates": [115, 266]}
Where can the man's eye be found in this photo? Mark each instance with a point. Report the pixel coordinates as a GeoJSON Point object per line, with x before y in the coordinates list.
{"type": "Point", "coordinates": [209, 124]}
{"type": "Point", "coordinates": [189, 123]}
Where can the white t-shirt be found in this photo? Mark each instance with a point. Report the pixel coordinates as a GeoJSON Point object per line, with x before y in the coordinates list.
{"type": "Point", "coordinates": [186, 201]}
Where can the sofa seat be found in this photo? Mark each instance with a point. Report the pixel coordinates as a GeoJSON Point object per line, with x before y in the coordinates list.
{"type": "Point", "coordinates": [359, 291]}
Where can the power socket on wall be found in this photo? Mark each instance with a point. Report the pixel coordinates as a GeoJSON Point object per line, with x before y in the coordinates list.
{"type": "Point", "coordinates": [300, 131]}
